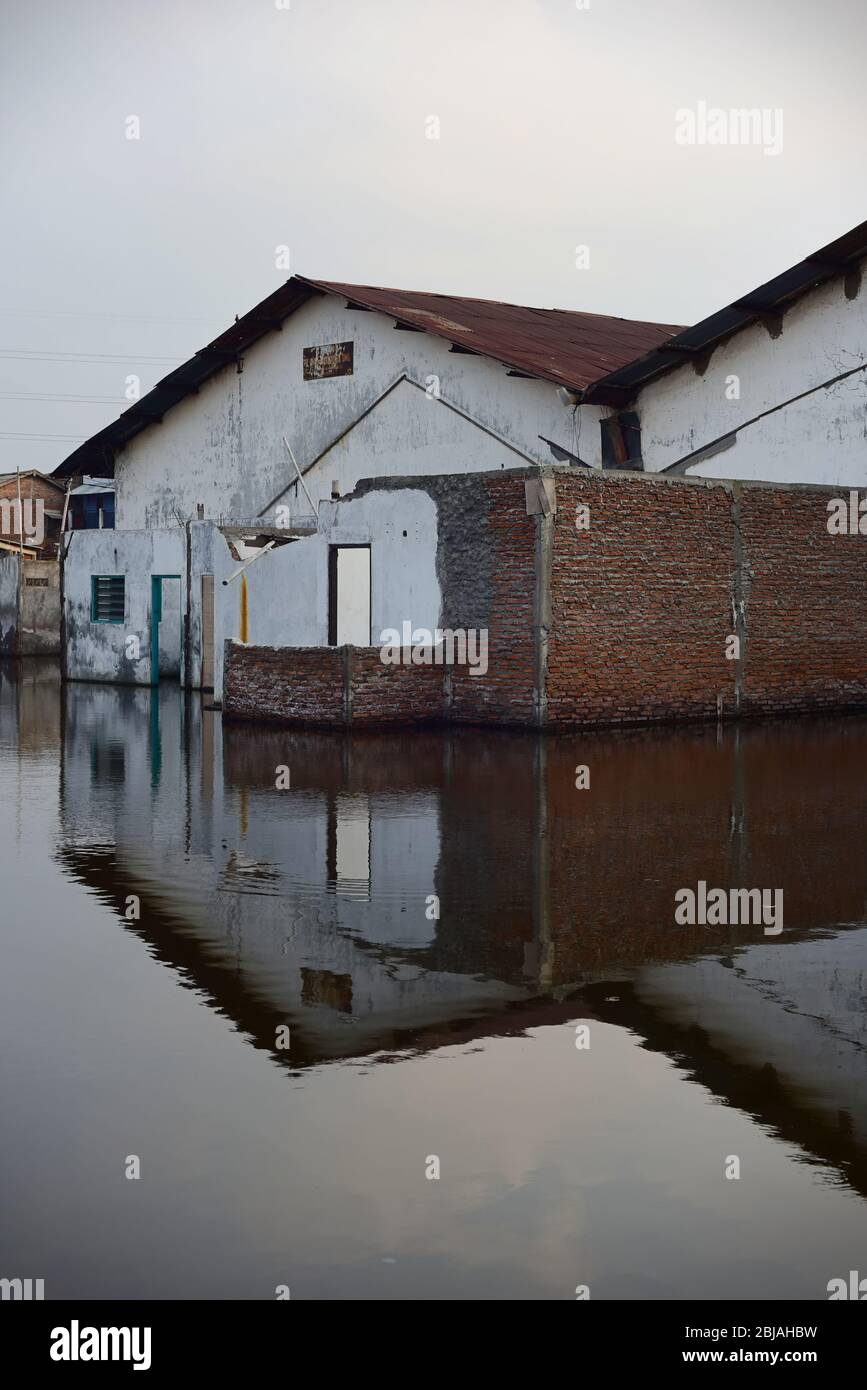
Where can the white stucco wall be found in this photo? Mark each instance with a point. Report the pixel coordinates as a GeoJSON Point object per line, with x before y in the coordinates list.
{"type": "Point", "coordinates": [287, 589]}
{"type": "Point", "coordinates": [98, 651]}
{"type": "Point", "coordinates": [223, 448]}
{"type": "Point", "coordinates": [408, 433]}
{"type": "Point", "coordinates": [821, 439]}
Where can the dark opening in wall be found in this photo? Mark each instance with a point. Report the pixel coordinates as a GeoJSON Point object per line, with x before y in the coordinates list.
{"type": "Point", "coordinates": [621, 441]}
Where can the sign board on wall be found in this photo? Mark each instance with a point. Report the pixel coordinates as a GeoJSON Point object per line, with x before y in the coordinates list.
{"type": "Point", "coordinates": [330, 359]}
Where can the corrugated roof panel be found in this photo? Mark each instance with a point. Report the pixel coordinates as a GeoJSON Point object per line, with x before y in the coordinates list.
{"type": "Point", "coordinates": [565, 347]}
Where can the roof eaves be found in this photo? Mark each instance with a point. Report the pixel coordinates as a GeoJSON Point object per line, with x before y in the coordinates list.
{"type": "Point", "coordinates": [767, 302]}
{"type": "Point", "coordinates": [185, 380]}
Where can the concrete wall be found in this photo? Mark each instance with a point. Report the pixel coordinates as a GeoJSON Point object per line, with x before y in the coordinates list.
{"type": "Point", "coordinates": [99, 651]}
{"type": "Point", "coordinates": [205, 542]}
{"type": "Point", "coordinates": [8, 605]}
{"type": "Point", "coordinates": [820, 439]}
{"type": "Point", "coordinates": [285, 593]}
{"type": "Point", "coordinates": [29, 607]}
{"type": "Point", "coordinates": [40, 608]}
{"type": "Point", "coordinates": [222, 448]}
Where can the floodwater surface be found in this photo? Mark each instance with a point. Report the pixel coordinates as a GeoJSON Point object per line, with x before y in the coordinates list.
{"type": "Point", "coordinates": [411, 1016]}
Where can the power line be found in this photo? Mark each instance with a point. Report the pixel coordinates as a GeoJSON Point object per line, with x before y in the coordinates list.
{"type": "Point", "coordinates": [70, 438]}
{"type": "Point", "coordinates": [48, 355]}
{"type": "Point", "coordinates": [125, 318]}
{"type": "Point", "coordinates": [38, 396]}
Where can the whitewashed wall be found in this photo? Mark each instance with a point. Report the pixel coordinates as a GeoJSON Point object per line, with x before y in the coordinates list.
{"type": "Point", "coordinates": [223, 448]}
{"type": "Point", "coordinates": [287, 589]}
{"type": "Point", "coordinates": [97, 651]}
{"type": "Point", "coordinates": [822, 439]}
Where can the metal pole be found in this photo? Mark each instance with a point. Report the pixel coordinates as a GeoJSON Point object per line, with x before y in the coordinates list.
{"type": "Point", "coordinates": [21, 514]}
{"type": "Point", "coordinates": [247, 563]}
{"type": "Point", "coordinates": [300, 476]}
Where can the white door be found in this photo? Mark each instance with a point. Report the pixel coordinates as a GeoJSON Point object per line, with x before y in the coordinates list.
{"type": "Point", "coordinates": [353, 596]}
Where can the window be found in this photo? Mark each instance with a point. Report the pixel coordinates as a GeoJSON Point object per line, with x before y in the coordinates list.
{"type": "Point", "coordinates": [107, 598]}
{"type": "Point", "coordinates": [93, 512]}
{"type": "Point", "coordinates": [621, 441]}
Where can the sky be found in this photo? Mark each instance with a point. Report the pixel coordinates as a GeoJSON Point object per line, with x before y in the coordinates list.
{"type": "Point", "coordinates": [523, 150]}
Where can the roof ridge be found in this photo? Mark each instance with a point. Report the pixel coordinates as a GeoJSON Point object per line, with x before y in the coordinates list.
{"type": "Point", "coordinates": [341, 285]}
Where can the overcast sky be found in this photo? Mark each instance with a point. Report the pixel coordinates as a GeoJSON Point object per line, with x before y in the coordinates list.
{"type": "Point", "coordinates": [309, 126]}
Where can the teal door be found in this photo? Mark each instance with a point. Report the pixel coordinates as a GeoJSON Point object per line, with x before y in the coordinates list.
{"type": "Point", "coordinates": [156, 619]}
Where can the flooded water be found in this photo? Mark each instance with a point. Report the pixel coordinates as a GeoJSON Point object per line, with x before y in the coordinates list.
{"type": "Point", "coordinates": [431, 951]}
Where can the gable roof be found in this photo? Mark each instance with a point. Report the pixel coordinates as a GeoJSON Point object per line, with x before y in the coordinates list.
{"type": "Point", "coordinates": [569, 348]}
{"type": "Point", "coordinates": [29, 473]}
{"type": "Point", "coordinates": [767, 303]}
{"type": "Point", "coordinates": [559, 345]}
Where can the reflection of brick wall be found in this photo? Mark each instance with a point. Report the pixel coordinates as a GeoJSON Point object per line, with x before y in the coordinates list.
{"type": "Point", "coordinates": [666, 808]}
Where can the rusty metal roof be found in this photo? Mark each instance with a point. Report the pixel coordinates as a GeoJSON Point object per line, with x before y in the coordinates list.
{"type": "Point", "coordinates": [569, 348]}
{"type": "Point", "coordinates": [560, 345]}
{"type": "Point", "coordinates": [766, 304]}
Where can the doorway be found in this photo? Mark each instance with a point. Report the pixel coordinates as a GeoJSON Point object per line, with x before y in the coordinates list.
{"type": "Point", "coordinates": [166, 627]}
{"type": "Point", "coordinates": [349, 596]}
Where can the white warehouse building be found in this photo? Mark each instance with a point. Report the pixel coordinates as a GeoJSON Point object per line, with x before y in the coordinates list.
{"type": "Point", "coordinates": [247, 456]}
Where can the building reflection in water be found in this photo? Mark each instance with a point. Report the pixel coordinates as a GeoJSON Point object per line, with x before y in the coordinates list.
{"type": "Point", "coordinates": [410, 891]}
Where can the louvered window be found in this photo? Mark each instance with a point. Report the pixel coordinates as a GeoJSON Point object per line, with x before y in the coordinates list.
{"type": "Point", "coordinates": [107, 598]}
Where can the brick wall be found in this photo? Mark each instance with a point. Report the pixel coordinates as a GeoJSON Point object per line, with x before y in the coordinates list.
{"type": "Point", "coordinates": [506, 544]}
{"type": "Point", "coordinates": [642, 603]}
{"type": "Point", "coordinates": [328, 686]}
{"type": "Point", "coordinates": [284, 684]}
{"type": "Point", "coordinates": [806, 603]}
{"type": "Point", "coordinates": [34, 487]}
{"type": "Point", "coordinates": [624, 622]}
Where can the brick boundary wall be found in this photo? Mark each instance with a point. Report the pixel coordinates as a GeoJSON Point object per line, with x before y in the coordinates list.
{"type": "Point", "coordinates": [286, 684]}
{"type": "Point", "coordinates": [623, 623]}
{"type": "Point", "coordinates": [329, 687]}
{"type": "Point", "coordinates": [642, 603]}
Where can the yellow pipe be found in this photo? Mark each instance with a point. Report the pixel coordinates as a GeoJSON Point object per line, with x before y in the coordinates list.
{"type": "Point", "coordinates": [243, 633]}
